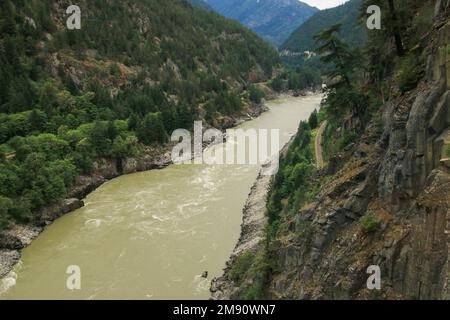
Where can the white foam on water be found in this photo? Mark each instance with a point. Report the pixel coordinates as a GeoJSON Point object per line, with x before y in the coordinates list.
{"type": "Point", "coordinates": [8, 282]}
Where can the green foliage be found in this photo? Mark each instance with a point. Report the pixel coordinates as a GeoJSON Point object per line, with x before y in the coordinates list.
{"type": "Point", "coordinates": [299, 78]}
{"type": "Point", "coordinates": [343, 95]}
{"type": "Point", "coordinates": [125, 147]}
{"type": "Point", "coordinates": [53, 127]}
{"type": "Point", "coordinates": [255, 292]}
{"type": "Point", "coordinates": [5, 206]}
{"type": "Point", "coordinates": [447, 150]}
{"type": "Point", "coordinates": [369, 224]}
{"type": "Point", "coordinates": [335, 140]}
{"type": "Point", "coordinates": [258, 271]}
{"type": "Point", "coordinates": [152, 129]}
{"type": "Point", "coordinates": [227, 102]}
{"type": "Point", "coordinates": [291, 183]}
{"type": "Point", "coordinates": [346, 15]}
{"type": "Point", "coordinates": [337, 54]}
{"type": "Point", "coordinates": [277, 84]}
{"type": "Point", "coordinates": [313, 121]}
{"type": "Point", "coordinates": [255, 94]}
{"type": "Point", "coordinates": [241, 266]}
{"type": "Point", "coordinates": [410, 73]}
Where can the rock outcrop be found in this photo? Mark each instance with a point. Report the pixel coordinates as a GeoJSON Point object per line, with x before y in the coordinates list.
{"type": "Point", "coordinates": [402, 182]}
{"type": "Point", "coordinates": [386, 205]}
{"type": "Point", "coordinates": [252, 235]}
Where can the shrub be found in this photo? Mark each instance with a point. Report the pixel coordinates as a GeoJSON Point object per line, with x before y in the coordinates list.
{"type": "Point", "coordinates": [277, 84]}
{"type": "Point", "coordinates": [347, 138]}
{"type": "Point", "coordinates": [313, 120]}
{"type": "Point", "coordinates": [369, 224]}
{"type": "Point", "coordinates": [254, 292]}
{"type": "Point", "coordinates": [152, 130]}
{"type": "Point", "coordinates": [5, 205]}
{"type": "Point", "coordinates": [241, 266]}
{"type": "Point", "coordinates": [256, 94]}
{"type": "Point", "coordinates": [410, 73]}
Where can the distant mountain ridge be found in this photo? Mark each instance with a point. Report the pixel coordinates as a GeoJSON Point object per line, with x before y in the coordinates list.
{"type": "Point", "coordinates": [200, 4]}
{"type": "Point", "coordinates": [274, 20]}
{"type": "Point", "coordinates": [347, 14]}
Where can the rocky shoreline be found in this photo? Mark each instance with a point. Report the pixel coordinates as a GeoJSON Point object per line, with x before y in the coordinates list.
{"type": "Point", "coordinates": [19, 236]}
{"type": "Point", "coordinates": [254, 222]}
{"type": "Point", "coordinates": [252, 235]}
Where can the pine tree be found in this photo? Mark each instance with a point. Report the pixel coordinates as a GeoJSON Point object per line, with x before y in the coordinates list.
{"type": "Point", "coordinates": [396, 29]}
{"type": "Point", "coordinates": [111, 131]}
{"type": "Point", "coordinates": [7, 16]}
{"type": "Point", "coordinates": [133, 122]}
{"type": "Point", "coordinates": [37, 120]}
{"type": "Point", "coordinates": [152, 130]}
{"type": "Point", "coordinates": [335, 53]}
{"type": "Point", "coordinates": [342, 63]}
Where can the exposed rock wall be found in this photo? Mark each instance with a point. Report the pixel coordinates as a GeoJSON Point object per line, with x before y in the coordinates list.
{"type": "Point", "coordinates": [388, 203]}
{"type": "Point", "coordinates": [400, 177]}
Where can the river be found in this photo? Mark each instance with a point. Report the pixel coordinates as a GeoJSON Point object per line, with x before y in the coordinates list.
{"type": "Point", "coordinates": [150, 235]}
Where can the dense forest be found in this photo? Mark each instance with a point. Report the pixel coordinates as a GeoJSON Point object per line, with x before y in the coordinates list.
{"type": "Point", "coordinates": [134, 72]}
{"type": "Point", "coordinates": [302, 39]}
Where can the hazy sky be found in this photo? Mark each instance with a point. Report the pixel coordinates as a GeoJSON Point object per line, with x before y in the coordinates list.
{"type": "Point", "coordinates": [323, 4]}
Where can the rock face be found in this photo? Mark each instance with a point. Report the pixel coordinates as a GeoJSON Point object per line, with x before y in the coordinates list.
{"type": "Point", "coordinates": [252, 234]}
{"type": "Point", "coordinates": [254, 221]}
{"type": "Point", "coordinates": [8, 259]}
{"type": "Point", "coordinates": [402, 182]}
{"type": "Point", "coordinates": [387, 205]}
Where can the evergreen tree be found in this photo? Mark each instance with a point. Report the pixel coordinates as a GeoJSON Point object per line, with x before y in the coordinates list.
{"type": "Point", "coordinates": [313, 121]}
{"type": "Point", "coordinates": [111, 131]}
{"type": "Point", "coordinates": [395, 28]}
{"type": "Point", "coordinates": [37, 120]}
{"type": "Point", "coordinates": [152, 130]}
{"type": "Point", "coordinates": [336, 54]}
{"type": "Point", "coordinates": [133, 122]}
{"type": "Point", "coordinates": [342, 62]}
{"type": "Point", "coordinates": [99, 139]}
{"type": "Point", "coordinates": [7, 16]}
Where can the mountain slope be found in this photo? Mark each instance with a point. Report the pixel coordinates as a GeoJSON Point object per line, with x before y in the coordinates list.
{"type": "Point", "coordinates": [347, 14]}
{"type": "Point", "coordinates": [381, 206]}
{"type": "Point", "coordinates": [201, 4]}
{"type": "Point", "coordinates": [118, 87]}
{"type": "Point", "coordinates": [272, 19]}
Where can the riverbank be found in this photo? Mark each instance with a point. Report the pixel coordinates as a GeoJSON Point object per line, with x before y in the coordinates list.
{"type": "Point", "coordinates": [19, 236]}
{"type": "Point", "coordinates": [254, 222]}
{"type": "Point", "coordinates": [251, 238]}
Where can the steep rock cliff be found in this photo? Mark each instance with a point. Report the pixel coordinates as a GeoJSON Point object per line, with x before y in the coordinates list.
{"type": "Point", "coordinates": [384, 201]}
{"type": "Point", "coordinates": [397, 176]}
